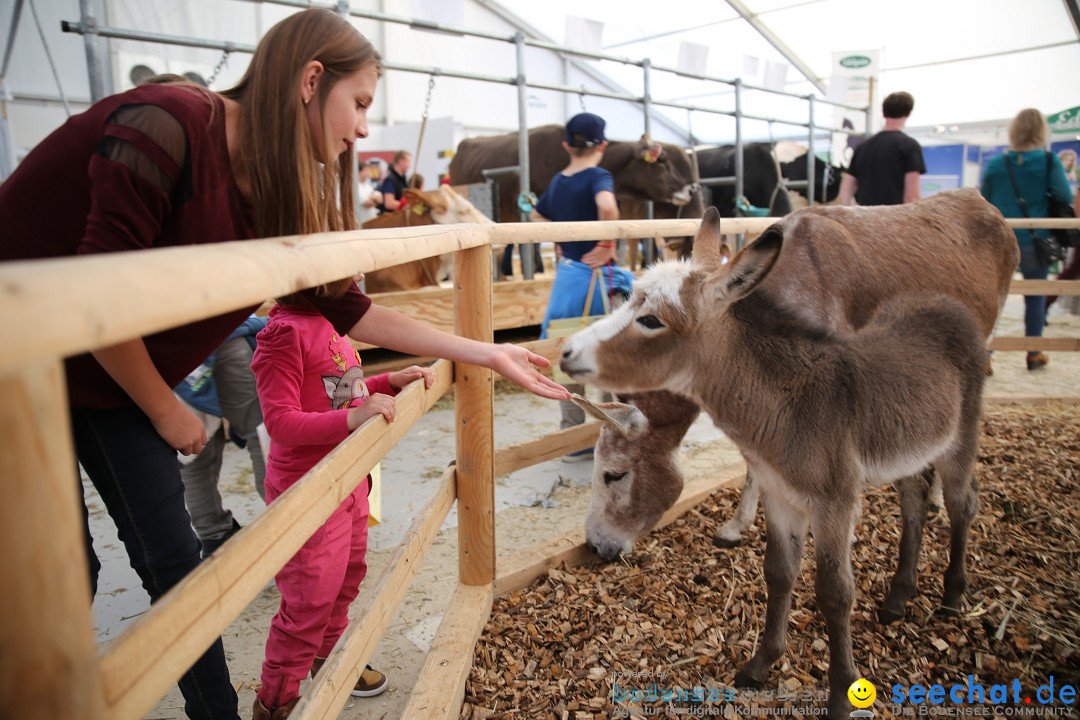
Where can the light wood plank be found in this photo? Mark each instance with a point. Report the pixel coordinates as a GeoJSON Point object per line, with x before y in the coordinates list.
{"type": "Point", "coordinates": [474, 431]}
{"type": "Point", "coordinates": [1044, 287]}
{"type": "Point", "coordinates": [48, 665]}
{"type": "Point", "coordinates": [330, 689]}
{"type": "Point", "coordinates": [1033, 400]}
{"type": "Point", "coordinates": [520, 570]}
{"type": "Point", "coordinates": [1055, 344]}
{"type": "Point", "coordinates": [532, 452]}
{"type": "Point", "coordinates": [65, 306]}
{"type": "Point", "coordinates": [440, 690]}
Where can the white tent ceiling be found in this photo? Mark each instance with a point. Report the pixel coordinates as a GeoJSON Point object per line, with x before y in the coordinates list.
{"type": "Point", "coordinates": [969, 63]}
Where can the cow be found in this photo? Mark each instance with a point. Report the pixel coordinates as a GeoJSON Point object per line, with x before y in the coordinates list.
{"type": "Point", "coordinates": [762, 185]}
{"type": "Point", "coordinates": [643, 170]}
{"type": "Point", "coordinates": [826, 179]}
{"type": "Point", "coordinates": [441, 207]}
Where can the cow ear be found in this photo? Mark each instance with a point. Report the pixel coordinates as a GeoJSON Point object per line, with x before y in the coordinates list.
{"type": "Point", "coordinates": [748, 268]}
{"type": "Point", "coordinates": [709, 244]}
{"type": "Point", "coordinates": [647, 150]}
{"type": "Point", "coordinates": [627, 419]}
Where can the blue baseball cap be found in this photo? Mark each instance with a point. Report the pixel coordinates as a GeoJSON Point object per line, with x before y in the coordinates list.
{"type": "Point", "coordinates": [589, 126]}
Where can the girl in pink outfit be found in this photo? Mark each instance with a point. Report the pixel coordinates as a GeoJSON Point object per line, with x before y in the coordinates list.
{"type": "Point", "coordinates": [313, 394]}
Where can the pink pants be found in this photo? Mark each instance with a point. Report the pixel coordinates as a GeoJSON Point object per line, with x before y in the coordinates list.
{"type": "Point", "coordinates": [317, 585]}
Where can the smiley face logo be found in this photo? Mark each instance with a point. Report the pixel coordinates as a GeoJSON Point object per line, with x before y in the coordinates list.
{"type": "Point", "coordinates": [861, 693]}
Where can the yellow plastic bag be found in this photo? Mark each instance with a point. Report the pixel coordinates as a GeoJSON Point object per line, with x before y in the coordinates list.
{"type": "Point", "coordinates": [565, 327]}
{"type": "Point", "coordinates": [374, 497]}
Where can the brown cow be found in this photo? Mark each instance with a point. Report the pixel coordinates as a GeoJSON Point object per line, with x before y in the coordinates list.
{"type": "Point", "coordinates": [441, 207]}
{"type": "Point", "coordinates": [665, 179]}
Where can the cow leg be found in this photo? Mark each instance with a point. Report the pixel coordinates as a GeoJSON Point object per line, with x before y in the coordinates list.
{"type": "Point", "coordinates": [961, 491]}
{"type": "Point", "coordinates": [914, 492]}
{"type": "Point", "coordinates": [835, 590]}
{"type": "Point", "coordinates": [730, 533]}
{"type": "Point", "coordinates": [785, 531]}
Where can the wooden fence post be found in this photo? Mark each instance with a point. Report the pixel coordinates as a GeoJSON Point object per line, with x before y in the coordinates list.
{"type": "Point", "coordinates": [474, 389]}
{"type": "Point", "coordinates": [48, 664]}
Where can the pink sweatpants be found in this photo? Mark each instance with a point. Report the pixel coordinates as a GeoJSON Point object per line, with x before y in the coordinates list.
{"type": "Point", "coordinates": [317, 585]}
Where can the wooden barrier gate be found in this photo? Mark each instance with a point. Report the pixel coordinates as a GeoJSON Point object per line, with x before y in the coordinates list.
{"type": "Point", "coordinates": [56, 308]}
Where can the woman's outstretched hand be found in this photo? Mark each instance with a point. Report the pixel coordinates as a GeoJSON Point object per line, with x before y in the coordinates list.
{"type": "Point", "coordinates": [519, 366]}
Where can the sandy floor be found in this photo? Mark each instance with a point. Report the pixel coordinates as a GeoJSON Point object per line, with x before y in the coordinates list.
{"type": "Point", "coordinates": [532, 505]}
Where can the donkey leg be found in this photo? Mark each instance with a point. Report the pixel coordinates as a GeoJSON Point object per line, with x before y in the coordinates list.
{"type": "Point", "coordinates": [913, 492]}
{"type": "Point", "coordinates": [785, 531]}
{"type": "Point", "coordinates": [961, 491]}
{"type": "Point", "coordinates": [730, 533]}
{"type": "Point", "coordinates": [835, 590]}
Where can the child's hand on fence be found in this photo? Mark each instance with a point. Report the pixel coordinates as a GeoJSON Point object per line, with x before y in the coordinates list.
{"type": "Point", "coordinates": [401, 378]}
{"type": "Point", "coordinates": [377, 404]}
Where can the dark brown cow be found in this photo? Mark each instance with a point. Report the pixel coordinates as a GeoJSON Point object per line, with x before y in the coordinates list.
{"type": "Point", "coordinates": [666, 179]}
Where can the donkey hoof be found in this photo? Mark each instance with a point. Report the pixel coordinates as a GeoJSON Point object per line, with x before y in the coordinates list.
{"type": "Point", "coordinates": [743, 679]}
{"type": "Point", "coordinates": [887, 615]}
{"type": "Point", "coordinates": [726, 543]}
{"type": "Point", "coordinates": [947, 611]}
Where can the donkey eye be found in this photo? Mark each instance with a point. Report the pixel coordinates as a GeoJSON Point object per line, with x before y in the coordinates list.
{"type": "Point", "coordinates": [650, 321]}
{"type": "Point", "coordinates": [611, 477]}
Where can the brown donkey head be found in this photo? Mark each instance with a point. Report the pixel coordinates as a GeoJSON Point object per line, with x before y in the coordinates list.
{"type": "Point", "coordinates": [656, 339]}
{"type": "Point", "coordinates": [636, 475]}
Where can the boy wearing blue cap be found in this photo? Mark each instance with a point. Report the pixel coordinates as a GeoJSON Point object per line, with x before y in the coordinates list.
{"type": "Point", "coordinates": [581, 191]}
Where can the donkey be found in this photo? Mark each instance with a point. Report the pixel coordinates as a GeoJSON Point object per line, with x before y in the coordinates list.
{"type": "Point", "coordinates": [816, 414]}
{"type": "Point", "coordinates": [838, 265]}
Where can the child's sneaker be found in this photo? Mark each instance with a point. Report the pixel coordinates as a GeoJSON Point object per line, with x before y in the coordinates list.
{"type": "Point", "coordinates": [579, 456]}
{"type": "Point", "coordinates": [371, 682]}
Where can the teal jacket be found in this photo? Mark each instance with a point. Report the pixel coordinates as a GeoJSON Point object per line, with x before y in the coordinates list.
{"type": "Point", "coordinates": [1029, 167]}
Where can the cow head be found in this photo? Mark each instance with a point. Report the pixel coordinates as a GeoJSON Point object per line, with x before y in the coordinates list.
{"type": "Point", "coordinates": [648, 170]}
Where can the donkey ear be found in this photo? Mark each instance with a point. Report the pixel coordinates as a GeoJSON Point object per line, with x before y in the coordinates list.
{"type": "Point", "coordinates": [627, 419]}
{"type": "Point", "coordinates": [709, 243]}
{"type": "Point", "coordinates": [750, 266]}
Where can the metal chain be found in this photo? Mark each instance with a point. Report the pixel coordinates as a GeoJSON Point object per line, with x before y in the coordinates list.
{"type": "Point", "coordinates": [217, 68]}
{"type": "Point", "coordinates": [427, 100]}
{"type": "Point", "coordinates": [423, 119]}
{"type": "Point", "coordinates": [581, 98]}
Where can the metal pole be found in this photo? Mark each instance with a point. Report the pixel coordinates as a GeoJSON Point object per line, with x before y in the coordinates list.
{"type": "Point", "coordinates": [646, 105]}
{"type": "Point", "coordinates": [93, 58]}
{"type": "Point", "coordinates": [810, 156]}
{"type": "Point", "coordinates": [528, 267]}
{"type": "Point", "coordinates": [739, 172]}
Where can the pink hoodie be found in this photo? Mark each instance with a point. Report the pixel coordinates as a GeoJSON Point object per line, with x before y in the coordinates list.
{"type": "Point", "coordinates": [308, 377]}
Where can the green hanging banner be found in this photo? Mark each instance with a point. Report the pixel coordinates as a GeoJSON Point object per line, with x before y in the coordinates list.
{"type": "Point", "coordinates": [1066, 121]}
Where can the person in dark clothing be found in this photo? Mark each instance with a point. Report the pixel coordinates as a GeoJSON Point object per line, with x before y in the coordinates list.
{"type": "Point", "coordinates": [885, 169]}
{"type": "Point", "coordinates": [176, 164]}
{"type": "Point", "coordinates": [393, 186]}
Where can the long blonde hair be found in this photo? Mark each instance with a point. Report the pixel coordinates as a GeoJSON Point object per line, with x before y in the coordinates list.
{"type": "Point", "coordinates": [1028, 130]}
{"type": "Point", "coordinates": [291, 191]}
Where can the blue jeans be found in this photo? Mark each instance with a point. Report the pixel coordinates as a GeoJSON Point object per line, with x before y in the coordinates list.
{"type": "Point", "coordinates": [138, 477]}
{"type": "Point", "coordinates": [1034, 305]}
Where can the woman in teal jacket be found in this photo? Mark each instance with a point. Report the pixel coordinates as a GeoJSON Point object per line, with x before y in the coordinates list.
{"type": "Point", "coordinates": [1027, 160]}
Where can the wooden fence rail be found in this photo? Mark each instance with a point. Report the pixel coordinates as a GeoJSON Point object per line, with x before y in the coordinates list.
{"type": "Point", "coordinates": [55, 308]}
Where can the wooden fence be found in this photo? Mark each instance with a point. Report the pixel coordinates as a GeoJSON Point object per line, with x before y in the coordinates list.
{"type": "Point", "coordinates": [52, 309]}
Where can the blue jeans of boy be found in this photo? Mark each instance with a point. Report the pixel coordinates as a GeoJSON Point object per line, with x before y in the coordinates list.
{"type": "Point", "coordinates": [137, 476]}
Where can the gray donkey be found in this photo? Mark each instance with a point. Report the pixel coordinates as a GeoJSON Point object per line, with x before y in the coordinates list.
{"type": "Point", "coordinates": [838, 265]}
{"type": "Point", "coordinates": [816, 414]}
